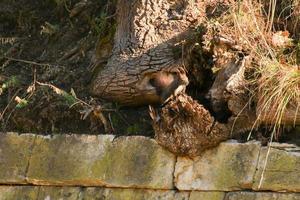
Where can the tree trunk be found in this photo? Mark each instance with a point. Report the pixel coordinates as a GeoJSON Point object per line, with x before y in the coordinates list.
{"type": "Point", "coordinates": [149, 38]}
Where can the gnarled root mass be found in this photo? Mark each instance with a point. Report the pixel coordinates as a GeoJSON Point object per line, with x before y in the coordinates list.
{"type": "Point", "coordinates": [186, 128]}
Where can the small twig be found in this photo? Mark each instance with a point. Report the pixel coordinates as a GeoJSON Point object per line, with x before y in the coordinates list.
{"type": "Point", "coordinates": [8, 117]}
{"type": "Point", "coordinates": [111, 16]}
{"type": "Point", "coordinates": [74, 104]}
{"type": "Point", "coordinates": [57, 90]}
{"type": "Point", "coordinates": [34, 75]}
{"type": "Point", "coordinates": [111, 124]}
{"type": "Point", "coordinates": [7, 106]}
{"type": "Point", "coordinates": [33, 85]}
{"type": "Point", "coordinates": [60, 91]}
{"type": "Point", "coordinates": [266, 159]}
{"type": "Point", "coordinates": [27, 61]}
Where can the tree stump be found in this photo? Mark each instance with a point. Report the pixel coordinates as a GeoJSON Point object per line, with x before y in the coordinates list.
{"type": "Point", "coordinates": [186, 128]}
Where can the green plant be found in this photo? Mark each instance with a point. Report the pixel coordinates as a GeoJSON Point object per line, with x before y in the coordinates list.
{"type": "Point", "coordinates": [21, 103]}
{"type": "Point", "coordinates": [100, 24]}
{"type": "Point", "coordinates": [11, 82]}
{"type": "Point", "coordinates": [49, 29]}
{"type": "Point", "coordinates": [70, 100]}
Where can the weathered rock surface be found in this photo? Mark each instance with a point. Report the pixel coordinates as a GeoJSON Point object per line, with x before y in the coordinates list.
{"type": "Point", "coordinates": [261, 196]}
{"type": "Point", "coordinates": [195, 195]}
{"type": "Point", "coordinates": [282, 172]}
{"type": "Point", "coordinates": [100, 160]}
{"type": "Point", "coordinates": [138, 168]}
{"type": "Point", "coordinates": [19, 192]}
{"type": "Point", "coordinates": [15, 151]}
{"type": "Point", "coordinates": [77, 193]}
{"type": "Point", "coordinates": [230, 166]}
{"type": "Point", "coordinates": [134, 194]}
{"type": "Point", "coordinates": [64, 193]}
{"type": "Point", "coordinates": [40, 193]}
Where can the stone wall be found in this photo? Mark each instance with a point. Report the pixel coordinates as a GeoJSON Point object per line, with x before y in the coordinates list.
{"type": "Point", "coordinates": [137, 168]}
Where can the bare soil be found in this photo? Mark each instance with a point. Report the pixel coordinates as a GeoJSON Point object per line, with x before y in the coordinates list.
{"type": "Point", "coordinates": [53, 42]}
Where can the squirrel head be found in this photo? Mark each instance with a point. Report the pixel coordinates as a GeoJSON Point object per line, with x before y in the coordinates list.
{"type": "Point", "coordinates": [161, 85]}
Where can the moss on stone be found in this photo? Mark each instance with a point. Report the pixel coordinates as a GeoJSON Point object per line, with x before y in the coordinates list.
{"type": "Point", "coordinates": [134, 194]}
{"type": "Point", "coordinates": [229, 166]}
{"type": "Point", "coordinates": [97, 160]}
{"type": "Point", "coordinates": [15, 151]}
{"type": "Point", "coordinates": [64, 193]}
{"type": "Point", "coordinates": [261, 196]}
{"type": "Point", "coordinates": [16, 193]}
{"type": "Point", "coordinates": [65, 158]}
{"type": "Point", "coordinates": [195, 195]}
{"type": "Point", "coordinates": [137, 162]}
{"type": "Point", "coordinates": [281, 173]}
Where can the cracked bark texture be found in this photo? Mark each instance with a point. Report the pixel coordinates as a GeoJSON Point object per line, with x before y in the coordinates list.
{"type": "Point", "coordinates": [230, 91]}
{"type": "Point", "coordinates": [148, 35]}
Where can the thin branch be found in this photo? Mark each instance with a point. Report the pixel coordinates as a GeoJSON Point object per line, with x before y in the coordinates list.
{"type": "Point", "coordinates": [27, 61]}
{"type": "Point", "coordinates": [60, 91]}
{"type": "Point", "coordinates": [266, 159]}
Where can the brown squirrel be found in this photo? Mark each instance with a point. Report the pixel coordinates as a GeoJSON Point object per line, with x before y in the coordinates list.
{"type": "Point", "coordinates": [168, 83]}
{"type": "Point", "coordinates": [158, 86]}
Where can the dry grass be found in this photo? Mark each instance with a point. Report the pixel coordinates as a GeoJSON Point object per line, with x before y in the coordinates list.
{"type": "Point", "coordinates": [277, 72]}
{"type": "Point", "coordinates": [275, 79]}
{"type": "Point", "coordinates": [276, 83]}
{"type": "Point", "coordinates": [278, 92]}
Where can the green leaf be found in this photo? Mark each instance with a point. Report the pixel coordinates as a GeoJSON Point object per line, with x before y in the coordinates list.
{"type": "Point", "coordinates": [73, 93]}
{"type": "Point", "coordinates": [70, 99]}
{"type": "Point", "coordinates": [23, 103]}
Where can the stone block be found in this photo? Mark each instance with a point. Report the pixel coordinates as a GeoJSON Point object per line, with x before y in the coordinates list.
{"type": "Point", "coordinates": [282, 172]}
{"type": "Point", "coordinates": [15, 151]}
{"type": "Point", "coordinates": [197, 195]}
{"type": "Point", "coordinates": [261, 196]}
{"type": "Point", "coordinates": [133, 194]}
{"type": "Point", "coordinates": [230, 166]}
{"type": "Point", "coordinates": [63, 193]}
{"type": "Point", "coordinates": [88, 160]}
{"type": "Point", "coordinates": [18, 192]}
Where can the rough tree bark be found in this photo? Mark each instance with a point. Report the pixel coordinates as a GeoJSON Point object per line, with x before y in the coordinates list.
{"type": "Point", "coordinates": [230, 90]}
{"type": "Point", "coordinates": [148, 40]}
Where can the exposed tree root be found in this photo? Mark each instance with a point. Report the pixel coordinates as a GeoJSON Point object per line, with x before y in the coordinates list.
{"type": "Point", "coordinates": [185, 127]}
